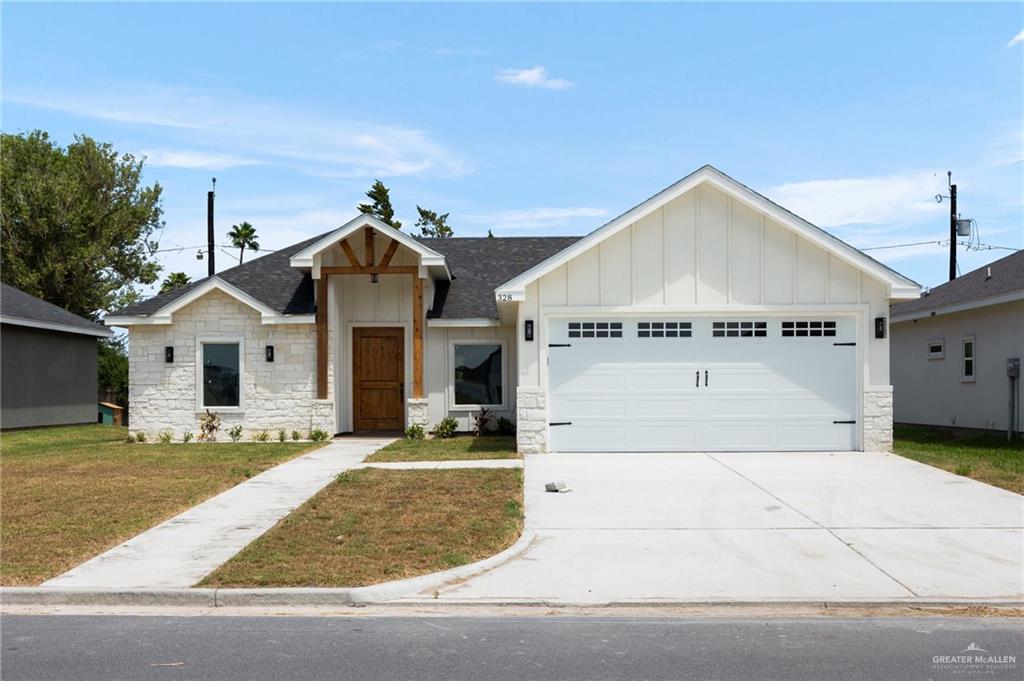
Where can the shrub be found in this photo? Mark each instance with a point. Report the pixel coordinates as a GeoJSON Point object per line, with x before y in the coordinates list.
{"type": "Point", "coordinates": [282, 435]}
{"type": "Point", "coordinates": [446, 427]}
{"type": "Point", "coordinates": [296, 435]}
{"type": "Point", "coordinates": [209, 424]}
{"type": "Point", "coordinates": [140, 436]}
{"type": "Point", "coordinates": [480, 421]}
{"type": "Point", "coordinates": [317, 435]}
{"type": "Point", "coordinates": [415, 432]}
{"type": "Point", "coordinates": [165, 437]}
{"type": "Point", "coordinates": [235, 432]}
{"type": "Point", "coordinates": [130, 439]}
{"type": "Point", "coordinates": [187, 436]}
{"type": "Point", "coordinates": [262, 436]}
{"type": "Point", "coordinates": [506, 427]}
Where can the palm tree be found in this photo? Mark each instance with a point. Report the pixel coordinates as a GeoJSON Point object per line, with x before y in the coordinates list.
{"type": "Point", "coordinates": [243, 236]}
{"type": "Point", "coordinates": [174, 281]}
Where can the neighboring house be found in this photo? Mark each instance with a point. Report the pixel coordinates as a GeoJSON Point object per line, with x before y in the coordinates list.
{"type": "Point", "coordinates": [950, 349]}
{"type": "Point", "coordinates": [48, 358]}
{"type": "Point", "coordinates": [706, 318]}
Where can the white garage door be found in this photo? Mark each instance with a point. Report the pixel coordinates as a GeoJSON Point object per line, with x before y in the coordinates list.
{"type": "Point", "coordinates": [702, 384]}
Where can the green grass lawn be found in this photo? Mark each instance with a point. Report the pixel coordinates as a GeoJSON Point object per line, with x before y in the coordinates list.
{"type": "Point", "coordinates": [70, 493]}
{"type": "Point", "coordinates": [987, 457]}
{"type": "Point", "coordinates": [375, 525]}
{"type": "Point", "coordinates": [466, 447]}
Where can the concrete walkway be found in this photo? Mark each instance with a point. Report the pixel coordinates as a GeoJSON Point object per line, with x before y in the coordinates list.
{"type": "Point", "coordinates": [186, 548]}
{"type": "Point", "coordinates": [444, 465]}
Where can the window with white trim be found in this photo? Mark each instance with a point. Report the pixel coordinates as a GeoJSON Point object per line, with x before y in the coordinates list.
{"type": "Point", "coordinates": [220, 374]}
{"type": "Point", "coordinates": [478, 374]}
{"type": "Point", "coordinates": [967, 356]}
{"type": "Point", "coordinates": [815, 328]}
{"type": "Point", "coordinates": [936, 348]}
{"type": "Point", "coordinates": [739, 329]}
{"type": "Point", "coordinates": [595, 329]}
{"type": "Point", "coordinates": [664, 329]}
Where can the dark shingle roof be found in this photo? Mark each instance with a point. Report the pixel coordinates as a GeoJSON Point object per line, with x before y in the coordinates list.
{"type": "Point", "coordinates": [1007, 277]}
{"type": "Point", "coordinates": [269, 279]}
{"type": "Point", "coordinates": [481, 264]}
{"type": "Point", "coordinates": [16, 305]}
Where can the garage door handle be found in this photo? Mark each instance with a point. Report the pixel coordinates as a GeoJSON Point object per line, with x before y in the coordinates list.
{"type": "Point", "coordinates": [559, 345]}
{"type": "Point", "coordinates": [705, 378]}
{"type": "Point", "coordinates": [698, 378]}
{"type": "Point", "coordinates": [560, 423]}
{"type": "Point", "coordinates": [845, 422]}
{"type": "Point", "coordinates": [844, 344]}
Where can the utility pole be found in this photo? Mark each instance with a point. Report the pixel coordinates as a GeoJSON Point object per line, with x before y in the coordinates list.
{"type": "Point", "coordinates": [952, 226]}
{"type": "Point", "coordinates": [211, 270]}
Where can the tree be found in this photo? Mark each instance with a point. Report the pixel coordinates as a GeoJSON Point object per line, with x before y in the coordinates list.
{"type": "Point", "coordinates": [381, 207]}
{"type": "Point", "coordinates": [112, 369]}
{"type": "Point", "coordinates": [490, 234]}
{"type": "Point", "coordinates": [433, 225]}
{"type": "Point", "coordinates": [174, 281]}
{"type": "Point", "coordinates": [76, 222]}
{"type": "Point", "coordinates": [243, 236]}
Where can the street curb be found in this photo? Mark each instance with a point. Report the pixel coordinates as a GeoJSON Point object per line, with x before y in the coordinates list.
{"type": "Point", "coordinates": [220, 597]}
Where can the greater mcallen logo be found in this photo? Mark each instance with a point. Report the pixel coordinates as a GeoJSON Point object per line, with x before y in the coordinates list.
{"type": "Point", "coordinates": [975, 659]}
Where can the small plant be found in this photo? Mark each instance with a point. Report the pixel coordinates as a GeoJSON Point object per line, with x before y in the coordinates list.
{"type": "Point", "coordinates": [262, 436]}
{"type": "Point", "coordinates": [480, 421]}
{"type": "Point", "coordinates": [235, 432]}
{"type": "Point", "coordinates": [415, 432]}
{"type": "Point", "coordinates": [963, 469]}
{"type": "Point", "coordinates": [446, 427]}
{"type": "Point", "coordinates": [317, 435]}
{"type": "Point", "coordinates": [282, 435]}
{"type": "Point", "coordinates": [296, 435]}
{"type": "Point", "coordinates": [140, 436]}
{"type": "Point", "coordinates": [187, 436]}
{"type": "Point", "coordinates": [165, 437]}
{"type": "Point", "coordinates": [506, 427]}
{"type": "Point", "coordinates": [209, 424]}
{"type": "Point", "coordinates": [130, 440]}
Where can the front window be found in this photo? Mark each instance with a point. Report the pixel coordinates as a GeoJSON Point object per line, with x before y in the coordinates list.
{"type": "Point", "coordinates": [221, 375]}
{"type": "Point", "coordinates": [968, 358]}
{"type": "Point", "coordinates": [478, 374]}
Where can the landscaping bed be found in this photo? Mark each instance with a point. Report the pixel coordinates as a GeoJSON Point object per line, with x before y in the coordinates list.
{"type": "Point", "coordinates": [463, 447]}
{"type": "Point", "coordinates": [71, 493]}
{"type": "Point", "coordinates": [987, 457]}
{"type": "Point", "coordinates": [374, 525]}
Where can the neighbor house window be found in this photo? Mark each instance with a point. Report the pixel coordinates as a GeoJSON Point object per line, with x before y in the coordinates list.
{"type": "Point", "coordinates": [967, 355]}
{"type": "Point", "coordinates": [936, 348]}
{"type": "Point", "coordinates": [219, 373]}
{"type": "Point", "coordinates": [479, 373]}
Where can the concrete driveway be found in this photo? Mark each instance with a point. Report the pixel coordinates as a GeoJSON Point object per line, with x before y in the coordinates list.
{"type": "Point", "coordinates": [757, 526]}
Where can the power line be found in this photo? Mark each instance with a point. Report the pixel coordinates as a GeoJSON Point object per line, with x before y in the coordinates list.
{"type": "Point", "coordinates": [943, 243]}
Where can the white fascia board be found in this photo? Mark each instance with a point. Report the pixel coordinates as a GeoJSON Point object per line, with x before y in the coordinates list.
{"type": "Point", "coordinates": [463, 322]}
{"type": "Point", "coordinates": [54, 326]}
{"type": "Point", "coordinates": [289, 319]}
{"type": "Point", "coordinates": [111, 320]}
{"type": "Point", "coordinates": [736, 190]}
{"type": "Point", "coordinates": [1010, 297]}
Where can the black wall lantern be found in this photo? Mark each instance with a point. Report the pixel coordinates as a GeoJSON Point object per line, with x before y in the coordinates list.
{"type": "Point", "coordinates": [169, 354]}
{"type": "Point", "coordinates": [528, 330]}
{"type": "Point", "coordinates": [270, 353]}
{"type": "Point", "coordinates": [879, 327]}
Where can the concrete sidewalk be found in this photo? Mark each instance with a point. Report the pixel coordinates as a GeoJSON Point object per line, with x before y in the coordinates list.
{"type": "Point", "coordinates": [181, 551]}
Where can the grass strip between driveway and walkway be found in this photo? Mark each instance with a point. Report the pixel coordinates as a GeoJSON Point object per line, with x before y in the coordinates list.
{"type": "Point", "coordinates": [374, 525]}
{"type": "Point", "coordinates": [987, 457]}
{"type": "Point", "coordinates": [461, 448]}
{"type": "Point", "coordinates": [70, 493]}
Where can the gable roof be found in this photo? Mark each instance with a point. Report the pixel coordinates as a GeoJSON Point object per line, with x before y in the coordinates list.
{"type": "Point", "coordinates": [21, 309]}
{"type": "Point", "coordinates": [480, 264]}
{"type": "Point", "coordinates": [900, 286]}
{"type": "Point", "coordinates": [974, 289]}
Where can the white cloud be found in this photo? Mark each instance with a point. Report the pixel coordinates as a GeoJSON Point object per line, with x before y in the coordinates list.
{"type": "Point", "coordinates": [195, 160]}
{"type": "Point", "coordinates": [533, 218]}
{"type": "Point", "coordinates": [247, 127]}
{"type": "Point", "coordinates": [1016, 40]}
{"type": "Point", "coordinates": [882, 200]}
{"type": "Point", "coordinates": [535, 77]}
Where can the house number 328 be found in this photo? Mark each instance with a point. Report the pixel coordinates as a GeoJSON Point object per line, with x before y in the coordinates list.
{"type": "Point", "coordinates": [501, 297]}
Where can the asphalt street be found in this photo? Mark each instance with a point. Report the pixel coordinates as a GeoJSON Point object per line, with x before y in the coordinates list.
{"type": "Point", "coordinates": [108, 648]}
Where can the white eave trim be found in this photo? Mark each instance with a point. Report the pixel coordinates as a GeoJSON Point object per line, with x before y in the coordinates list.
{"type": "Point", "coordinates": [164, 315]}
{"type": "Point", "coordinates": [481, 321]}
{"type": "Point", "coordinates": [55, 326]}
{"type": "Point", "coordinates": [900, 286]}
{"type": "Point", "coordinates": [1010, 297]}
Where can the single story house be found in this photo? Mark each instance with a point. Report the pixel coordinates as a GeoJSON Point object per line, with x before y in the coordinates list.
{"type": "Point", "coordinates": [955, 350]}
{"type": "Point", "coordinates": [705, 318]}
{"type": "Point", "coordinates": [47, 363]}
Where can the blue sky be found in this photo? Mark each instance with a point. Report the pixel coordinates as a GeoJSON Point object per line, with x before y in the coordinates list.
{"type": "Point", "coordinates": [534, 120]}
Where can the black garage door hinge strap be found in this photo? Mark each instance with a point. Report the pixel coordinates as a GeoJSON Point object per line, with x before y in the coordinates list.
{"type": "Point", "coordinates": [844, 422]}
{"type": "Point", "coordinates": [844, 344]}
{"type": "Point", "coordinates": [560, 423]}
{"type": "Point", "coordinates": [559, 345]}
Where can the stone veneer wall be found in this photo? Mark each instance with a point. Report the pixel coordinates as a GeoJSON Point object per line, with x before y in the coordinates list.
{"type": "Point", "coordinates": [275, 395]}
{"type": "Point", "coordinates": [417, 412]}
{"type": "Point", "coordinates": [878, 419]}
{"type": "Point", "coordinates": [531, 420]}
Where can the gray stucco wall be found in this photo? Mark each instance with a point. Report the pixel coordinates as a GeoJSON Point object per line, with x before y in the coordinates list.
{"type": "Point", "coordinates": [48, 378]}
{"type": "Point", "coordinates": [932, 391]}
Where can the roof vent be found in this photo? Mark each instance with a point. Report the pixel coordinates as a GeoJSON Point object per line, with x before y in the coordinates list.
{"type": "Point", "coordinates": [988, 273]}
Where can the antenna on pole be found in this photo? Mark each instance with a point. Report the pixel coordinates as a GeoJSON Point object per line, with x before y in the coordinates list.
{"type": "Point", "coordinates": [211, 269]}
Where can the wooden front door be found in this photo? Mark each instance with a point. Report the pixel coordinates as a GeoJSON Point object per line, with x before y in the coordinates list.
{"type": "Point", "coordinates": [378, 378]}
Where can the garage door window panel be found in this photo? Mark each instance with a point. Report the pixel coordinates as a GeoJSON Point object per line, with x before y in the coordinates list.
{"type": "Point", "coordinates": [739, 329]}
{"type": "Point", "coordinates": [595, 330]}
{"type": "Point", "coordinates": [809, 329]}
{"type": "Point", "coordinates": [673, 329]}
